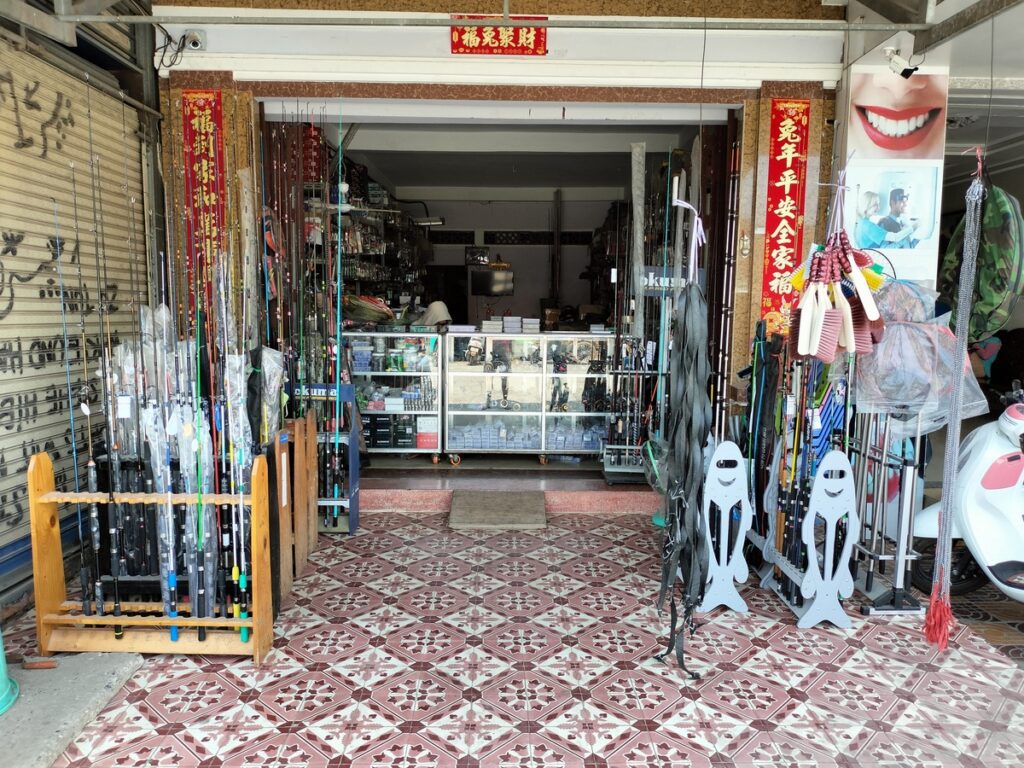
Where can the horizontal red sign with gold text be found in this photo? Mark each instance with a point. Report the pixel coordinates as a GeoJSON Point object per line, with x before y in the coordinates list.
{"type": "Point", "coordinates": [491, 40]}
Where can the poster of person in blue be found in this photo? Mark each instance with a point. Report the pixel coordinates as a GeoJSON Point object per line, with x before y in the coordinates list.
{"type": "Point", "coordinates": [897, 223]}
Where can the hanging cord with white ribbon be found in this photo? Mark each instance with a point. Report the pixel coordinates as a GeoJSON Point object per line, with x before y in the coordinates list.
{"type": "Point", "coordinates": [697, 237]}
{"type": "Point", "coordinates": [684, 551]}
{"type": "Point", "coordinates": [939, 620]}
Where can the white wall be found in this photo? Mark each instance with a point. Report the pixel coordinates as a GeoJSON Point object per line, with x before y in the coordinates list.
{"type": "Point", "coordinates": [531, 264]}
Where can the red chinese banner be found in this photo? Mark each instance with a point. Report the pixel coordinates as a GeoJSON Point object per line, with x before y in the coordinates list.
{"type": "Point", "coordinates": [487, 40]}
{"type": "Point", "coordinates": [203, 150]}
{"type": "Point", "coordinates": [784, 221]}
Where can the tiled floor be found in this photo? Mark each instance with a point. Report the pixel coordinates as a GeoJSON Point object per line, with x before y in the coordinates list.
{"type": "Point", "coordinates": [411, 646]}
{"type": "Point", "coordinates": [996, 618]}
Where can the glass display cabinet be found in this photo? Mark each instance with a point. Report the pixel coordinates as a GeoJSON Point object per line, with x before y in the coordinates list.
{"type": "Point", "coordinates": [519, 393]}
{"type": "Point", "coordinates": [397, 378]}
{"type": "Point", "coordinates": [578, 391]}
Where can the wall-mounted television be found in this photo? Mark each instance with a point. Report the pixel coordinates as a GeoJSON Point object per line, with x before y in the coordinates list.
{"type": "Point", "coordinates": [491, 282]}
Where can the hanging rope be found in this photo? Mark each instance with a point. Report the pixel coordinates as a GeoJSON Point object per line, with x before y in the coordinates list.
{"type": "Point", "coordinates": [939, 621]}
{"type": "Point", "coordinates": [684, 550]}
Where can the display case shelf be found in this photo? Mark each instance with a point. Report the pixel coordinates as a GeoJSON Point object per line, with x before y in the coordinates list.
{"type": "Point", "coordinates": [495, 412]}
{"type": "Point", "coordinates": [544, 374]}
{"type": "Point", "coordinates": [386, 374]}
{"type": "Point", "coordinates": [413, 429]}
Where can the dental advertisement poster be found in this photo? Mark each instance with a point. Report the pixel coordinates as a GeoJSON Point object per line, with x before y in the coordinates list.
{"type": "Point", "coordinates": [895, 144]}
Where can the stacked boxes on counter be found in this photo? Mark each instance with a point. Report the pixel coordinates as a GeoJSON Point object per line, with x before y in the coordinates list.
{"type": "Point", "coordinates": [418, 396]}
{"type": "Point", "coordinates": [362, 356]}
{"type": "Point", "coordinates": [574, 438]}
{"type": "Point", "coordinates": [405, 431]}
{"type": "Point", "coordinates": [494, 436]}
{"type": "Point", "coordinates": [401, 432]}
{"type": "Point", "coordinates": [377, 432]}
{"type": "Point", "coordinates": [428, 432]}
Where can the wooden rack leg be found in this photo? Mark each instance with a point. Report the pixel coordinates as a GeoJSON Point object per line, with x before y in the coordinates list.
{"type": "Point", "coordinates": [284, 512]}
{"type": "Point", "coordinates": [300, 490]}
{"type": "Point", "coordinates": [47, 551]}
{"type": "Point", "coordinates": [262, 602]}
{"type": "Point", "coordinates": [313, 481]}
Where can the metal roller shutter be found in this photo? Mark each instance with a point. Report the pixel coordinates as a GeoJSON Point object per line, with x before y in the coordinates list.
{"type": "Point", "coordinates": [45, 121]}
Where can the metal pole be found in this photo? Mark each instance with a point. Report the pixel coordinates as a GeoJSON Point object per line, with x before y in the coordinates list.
{"type": "Point", "coordinates": [754, 25]}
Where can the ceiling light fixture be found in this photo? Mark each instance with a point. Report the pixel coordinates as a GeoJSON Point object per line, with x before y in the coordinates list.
{"type": "Point", "coordinates": [429, 221]}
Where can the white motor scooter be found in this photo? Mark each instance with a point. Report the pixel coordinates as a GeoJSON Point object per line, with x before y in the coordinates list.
{"type": "Point", "coordinates": [988, 510]}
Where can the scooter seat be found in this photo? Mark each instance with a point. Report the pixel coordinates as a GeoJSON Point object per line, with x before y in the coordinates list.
{"type": "Point", "coordinates": [1010, 573]}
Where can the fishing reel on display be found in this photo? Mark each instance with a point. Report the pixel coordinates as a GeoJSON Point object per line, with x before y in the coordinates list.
{"type": "Point", "coordinates": [560, 361]}
{"type": "Point", "coordinates": [595, 390]}
{"type": "Point", "coordinates": [559, 396]}
{"type": "Point", "coordinates": [504, 404]}
{"type": "Point", "coordinates": [532, 358]}
{"type": "Point", "coordinates": [498, 364]}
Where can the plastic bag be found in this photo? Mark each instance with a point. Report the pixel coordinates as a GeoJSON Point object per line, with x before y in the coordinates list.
{"type": "Point", "coordinates": [272, 367]}
{"type": "Point", "coordinates": [655, 454]}
{"type": "Point", "coordinates": [904, 301]}
{"type": "Point", "coordinates": [238, 421]}
{"type": "Point", "coordinates": [910, 373]}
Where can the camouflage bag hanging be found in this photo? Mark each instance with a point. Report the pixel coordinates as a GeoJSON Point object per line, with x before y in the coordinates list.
{"type": "Point", "coordinates": [1000, 265]}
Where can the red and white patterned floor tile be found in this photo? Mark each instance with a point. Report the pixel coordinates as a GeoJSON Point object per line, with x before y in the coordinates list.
{"type": "Point", "coordinates": [412, 646]}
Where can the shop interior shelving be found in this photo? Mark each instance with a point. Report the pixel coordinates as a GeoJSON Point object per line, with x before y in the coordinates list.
{"type": "Point", "coordinates": [397, 378]}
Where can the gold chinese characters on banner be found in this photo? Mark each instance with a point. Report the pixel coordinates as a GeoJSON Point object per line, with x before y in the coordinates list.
{"type": "Point", "coordinates": [203, 149]}
{"type": "Point", "coordinates": [784, 220]}
{"type": "Point", "coordinates": [490, 40]}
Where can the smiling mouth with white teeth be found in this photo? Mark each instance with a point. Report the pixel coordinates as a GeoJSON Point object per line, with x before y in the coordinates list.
{"type": "Point", "coordinates": [897, 130]}
{"type": "Point", "coordinates": [896, 127]}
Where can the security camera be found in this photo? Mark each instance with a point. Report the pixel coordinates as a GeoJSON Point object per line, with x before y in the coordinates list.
{"type": "Point", "coordinates": [195, 40]}
{"type": "Point", "coordinates": [898, 64]}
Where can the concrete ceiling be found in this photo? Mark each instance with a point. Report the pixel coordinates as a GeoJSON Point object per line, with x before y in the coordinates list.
{"type": "Point", "coordinates": [519, 169]}
{"type": "Point", "coordinates": [508, 162]}
{"type": "Point", "coordinates": [986, 99]}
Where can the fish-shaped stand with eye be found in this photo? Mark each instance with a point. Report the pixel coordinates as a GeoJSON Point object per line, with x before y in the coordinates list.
{"type": "Point", "coordinates": [727, 518]}
{"type": "Point", "coordinates": [828, 578]}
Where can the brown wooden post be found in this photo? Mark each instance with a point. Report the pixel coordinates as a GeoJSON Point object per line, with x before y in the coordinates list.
{"type": "Point", "coordinates": [313, 481]}
{"type": "Point", "coordinates": [262, 602]}
{"type": "Point", "coordinates": [47, 551]}
{"type": "Point", "coordinates": [284, 511]}
{"type": "Point", "coordinates": [300, 503]}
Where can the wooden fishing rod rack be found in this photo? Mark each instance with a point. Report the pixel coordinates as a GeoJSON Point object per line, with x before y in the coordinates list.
{"type": "Point", "coordinates": [60, 623]}
{"type": "Point", "coordinates": [297, 503]}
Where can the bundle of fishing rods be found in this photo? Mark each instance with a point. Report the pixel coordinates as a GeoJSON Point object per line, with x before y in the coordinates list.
{"type": "Point", "coordinates": [243, 308]}
{"type": "Point", "coordinates": [188, 394]}
{"type": "Point", "coordinates": [796, 413]}
{"type": "Point", "coordinates": [306, 212]}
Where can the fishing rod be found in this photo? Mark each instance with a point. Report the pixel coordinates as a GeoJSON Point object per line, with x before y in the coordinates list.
{"type": "Point", "coordinates": [91, 477]}
{"type": "Point", "coordinates": [137, 523]}
{"type": "Point", "coordinates": [336, 457]}
{"type": "Point", "coordinates": [724, 363]}
{"type": "Point", "coordinates": [83, 574]}
{"type": "Point", "coordinates": [177, 267]}
{"type": "Point", "coordinates": [226, 476]}
{"type": "Point", "coordinates": [167, 528]}
{"type": "Point", "coordinates": [189, 436]}
{"type": "Point", "coordinates": [114, 511]}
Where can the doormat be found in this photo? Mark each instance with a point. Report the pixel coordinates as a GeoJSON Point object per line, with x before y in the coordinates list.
{"type": "Point", "coordinates": [498, 510]}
